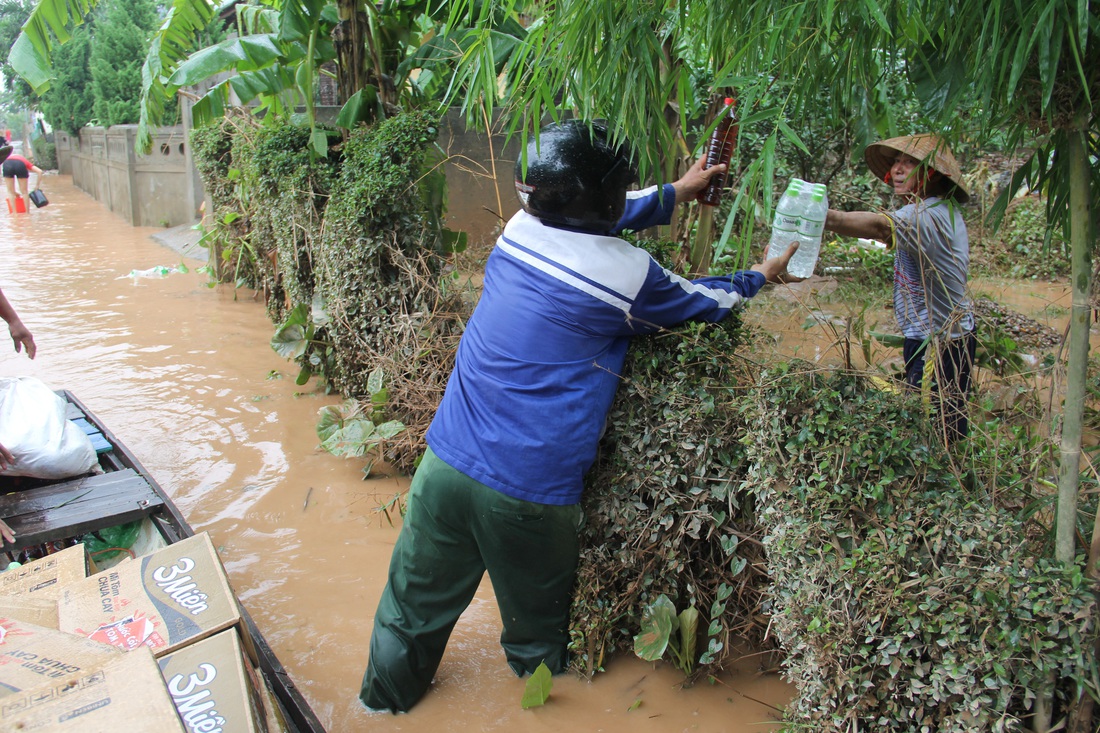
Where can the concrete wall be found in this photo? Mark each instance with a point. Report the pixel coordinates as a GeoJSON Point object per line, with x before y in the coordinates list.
{"type": "Point", "coordinates": [477, 202]}
{"type": "Point", "coordinates": [154, 190]}
{"type": "Point", "coordinates": [63, 142]}
{"type": "Point", "coordinates": [163, 188]}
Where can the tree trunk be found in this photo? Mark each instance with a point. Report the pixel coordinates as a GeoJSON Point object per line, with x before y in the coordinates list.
{"type": "Point", "coordinates": [348, 37]}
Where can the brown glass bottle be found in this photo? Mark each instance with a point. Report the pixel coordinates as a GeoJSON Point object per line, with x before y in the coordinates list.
{"type": "Point", "coordinates": [719, 151]}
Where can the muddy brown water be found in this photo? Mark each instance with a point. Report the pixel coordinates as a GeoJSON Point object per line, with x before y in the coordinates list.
{"type": "Point", "coordinates": [805, 320]}
{"type": "Point", "coordinates": [184, 375]}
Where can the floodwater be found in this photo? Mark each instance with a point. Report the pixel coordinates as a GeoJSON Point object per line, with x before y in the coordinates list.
{"type": "Point", "coordinates": [184, 375]}
{"type": "Point", "coordinates": [807, 321]}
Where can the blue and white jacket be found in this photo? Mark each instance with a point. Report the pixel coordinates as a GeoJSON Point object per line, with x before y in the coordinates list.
{"type": "Point", "coordinates": [539, 363]}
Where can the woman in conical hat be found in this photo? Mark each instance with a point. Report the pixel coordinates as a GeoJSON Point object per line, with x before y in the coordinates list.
{"type": "Point", "coordinates": [932, 257]}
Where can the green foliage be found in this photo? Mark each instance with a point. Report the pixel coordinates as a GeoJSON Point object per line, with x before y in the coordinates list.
{"type": "Point", "coordinates": [379, 267]}
{"type": "Point", "coordinates": [374, 229]}
{"type": "Point", "coordinates": [1024, 246]}
{"type": "Point", "coordinates": [356, 430]}
{"type": "Point", "coordinates": [536, 691]}
{"type": "Point", "coordinates": [188, 25]}
{"type": "Point", "coordinates": [45, 152]}
{"type": "Point", "coordinates": [297, 339]}
{"type": "Point", "coordinates": [664, 515]}
{"type": "Point", "coordinates": [887, 570]}
{"type": "Point", "coordinates": [866, 264]}
{"type": "Point", "coordinates": [288, 190]}
{"type": "Point", "coordinates": [347, 251]}
{"type": "Point", "coordinates": [664, 630]}
{"type": "Point", "coordinates": [13, 13]}
{"type": "Point", "coordinates": [121, 41]}
{"type": "Point", "coordinates": [68, 105]}
{"type": "Point", "coordinates": [228, 235]}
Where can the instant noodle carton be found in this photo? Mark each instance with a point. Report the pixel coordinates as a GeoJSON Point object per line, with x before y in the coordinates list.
{"type": "Point", "coordinates": [31, 655]}
{"type": "Point", "coordinates": [212, 686]}
{"type": "Point", "coordinates": [164, 600]}
{"type": "Point", "coordinates": [47, 576]}
{"type": "Point", "coordinates": [37, 611]}
{"type": "Point", "coordinates": [124, 695]}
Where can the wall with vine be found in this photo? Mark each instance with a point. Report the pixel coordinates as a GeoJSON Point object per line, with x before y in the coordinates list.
{"type": "Point", "coordinates": [348, 251]}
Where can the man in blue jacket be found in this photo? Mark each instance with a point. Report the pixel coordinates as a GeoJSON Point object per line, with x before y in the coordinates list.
{"type": "Point", "coordinates": [499, 487]}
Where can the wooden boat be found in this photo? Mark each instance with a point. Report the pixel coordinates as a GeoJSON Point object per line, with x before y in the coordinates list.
{"type": "Point", "coordinates": [50, 515]}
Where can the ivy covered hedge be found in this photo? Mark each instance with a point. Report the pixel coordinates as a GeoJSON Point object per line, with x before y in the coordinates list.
{"type": "Point", "coordinates": [665, 512]}
{"type": "Point", "coordinates": [348, 253]}
{"type": "Point", "coordinates": [289, 190]}
{"type": "Point", "coordinates": [381, 274]}
{"type": "Point", "coordinates": [903, 600]}
{"type": "Point", "coordinates": [815, 512]}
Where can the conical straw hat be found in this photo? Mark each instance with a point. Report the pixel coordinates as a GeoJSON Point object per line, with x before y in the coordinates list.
{"type": "Point", "coordinates": [926, 147]}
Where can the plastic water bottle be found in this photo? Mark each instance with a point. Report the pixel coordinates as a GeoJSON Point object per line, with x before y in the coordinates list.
{"type": "Point", "coordinates": [788, 215]}
{"type": "Point", "coordinates": [810, 229]}
{"type": "Point", "coordinates": [719, 151]}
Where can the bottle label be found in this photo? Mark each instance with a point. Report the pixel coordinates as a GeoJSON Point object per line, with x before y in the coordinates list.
{"type": "Point", "coordinates": [786, 222]}
{"type": "Point", "coordinates": [811, 228]}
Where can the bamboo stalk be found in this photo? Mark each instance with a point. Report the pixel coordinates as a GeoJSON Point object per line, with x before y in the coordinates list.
{"type": "Point", "coordinates": [1069, 469]}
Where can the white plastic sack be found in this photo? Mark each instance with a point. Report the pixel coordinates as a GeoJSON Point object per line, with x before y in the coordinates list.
{"type": "Point", "coordinates": [33, 427]}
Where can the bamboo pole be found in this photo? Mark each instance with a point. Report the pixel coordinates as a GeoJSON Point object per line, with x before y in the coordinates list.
{"type": "Point", "coordinates": [1069, 469]}
{"type": "Point", "coordinates": [1073, 407]}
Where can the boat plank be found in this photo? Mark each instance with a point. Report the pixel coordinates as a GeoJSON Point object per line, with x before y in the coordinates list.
{"type": "Point", "coordinates": [77, 507]}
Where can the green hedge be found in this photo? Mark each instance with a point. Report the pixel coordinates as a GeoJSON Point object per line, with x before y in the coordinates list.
{"type": "Point", "coordinates": [903, 599]}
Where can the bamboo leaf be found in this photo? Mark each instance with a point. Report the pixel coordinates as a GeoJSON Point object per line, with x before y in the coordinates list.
{"type": "Point", "coordinates": [877, 14]}
{"type": "Point", "coordinates": [791, 135]}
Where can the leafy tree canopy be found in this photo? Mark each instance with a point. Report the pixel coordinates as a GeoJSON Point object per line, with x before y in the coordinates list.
{"type": "Point", "coordinates": [68, 105]}
{"type": "Point", "coordinates": [121, 42]}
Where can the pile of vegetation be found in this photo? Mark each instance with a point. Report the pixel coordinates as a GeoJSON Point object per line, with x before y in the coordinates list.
{"type": "Point", "coordinates": [665, 514]}
{"type": "Point", "coordinates": [226, 234]}
{"type": "Point", "coordinates": [389, 305]}
{"type": "Point", "coordinates": [903, 596]}
{"type": "Point", "coordinates": [349, 255]}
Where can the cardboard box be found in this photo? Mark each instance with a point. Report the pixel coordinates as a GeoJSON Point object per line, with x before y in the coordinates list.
{"type": "Point", "coordinates": [126, 695]}
{"type": "Point", "coordinates": [209, 681]}
{"type": "Point", "coordinates": [32, 610]}
{"type": "Point", "coordinates": [32, 656]}
{"type": "Point", "coordinates": [164, 600]}
{"type": "Point", "coordinates": [47, 576]}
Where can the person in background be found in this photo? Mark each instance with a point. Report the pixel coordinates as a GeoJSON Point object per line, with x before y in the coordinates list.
{"type": "Point", "coordinates": [16, 167]}
{"type": "Point", "coordinates": [931, 262]}
{"type": "Point", "coordinates": [23, 339]}
{"type": "Point", "coordinates": [499, 486]}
